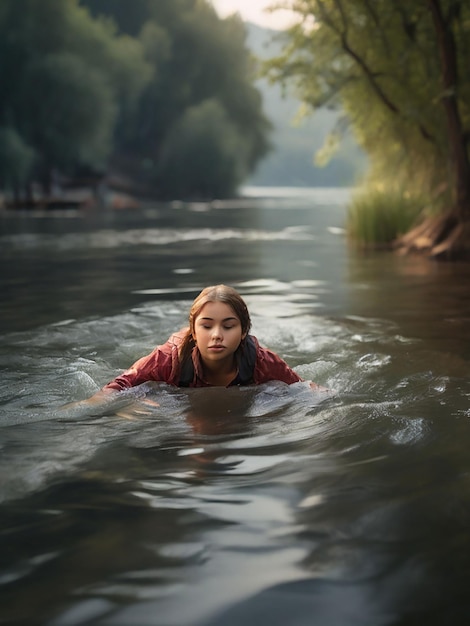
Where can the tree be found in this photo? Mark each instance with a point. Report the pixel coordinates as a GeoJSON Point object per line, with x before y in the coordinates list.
{"type": "Point", "coordinates": [196, 58]}
{"type": "Point", "coordinates": [203, 154]}
{"type": "Point", "coordinates": [72, 120]}
{"type": "Point", "coordinates": [110, 85]}
{"type": "Point", "coordinates": [16, 161]}
{"type": "Point", "coordinates": [62, 74]}
{"type": "Point", "coordinates": [399, 70]}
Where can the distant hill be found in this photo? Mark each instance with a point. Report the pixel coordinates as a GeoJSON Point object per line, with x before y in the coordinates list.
{"type": "Point", "coordinates": [291, 163]}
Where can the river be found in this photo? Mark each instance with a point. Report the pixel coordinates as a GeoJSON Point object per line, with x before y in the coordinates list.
{"type": "Point", "coordinates": [242, 506]}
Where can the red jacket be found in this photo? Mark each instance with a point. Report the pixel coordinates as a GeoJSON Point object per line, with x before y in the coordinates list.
{"type": "Point", "coordinates": [163, 365]}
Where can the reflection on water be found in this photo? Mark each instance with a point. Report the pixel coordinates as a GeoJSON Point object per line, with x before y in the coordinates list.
{"type": "Point", "coordinates": [234, 506]}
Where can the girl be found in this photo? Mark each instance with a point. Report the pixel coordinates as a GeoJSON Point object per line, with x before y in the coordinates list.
{"type": "Point", "coordinates": [216, 350]}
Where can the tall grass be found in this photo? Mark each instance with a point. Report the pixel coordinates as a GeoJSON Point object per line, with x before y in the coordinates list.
{"type": "Point", "coordinates": [377, 217]}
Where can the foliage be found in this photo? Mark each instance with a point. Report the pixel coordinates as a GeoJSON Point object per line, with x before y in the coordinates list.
{"type": "Point", "coordinates": [74, 116]}
{"type": "Point", "coordinates": [387, 63]}
{"type": "Point", "coordinates": [62, 76]}
{"type": "Point", "coordinates": [16, 160]}
{"type": "Point", "coordinates": [196, 58]}
{"type": "Point", "coordinates": [298, 139]}
{"type": "Point", "coordinates": [205, 150]}
{"type": "Point", "coordinates": [113, 85]}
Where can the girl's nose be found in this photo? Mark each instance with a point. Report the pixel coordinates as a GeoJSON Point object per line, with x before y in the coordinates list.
{"type": "Point", "coordinates": [216, 332]}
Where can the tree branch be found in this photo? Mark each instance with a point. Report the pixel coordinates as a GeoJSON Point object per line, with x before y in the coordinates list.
{"type": "Point", "coordinates": [371, 76]}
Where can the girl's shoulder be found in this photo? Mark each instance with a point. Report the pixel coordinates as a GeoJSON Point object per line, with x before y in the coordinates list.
{"type": "Point", "coordinates": [178, 337]}
{"type": "Point", "coordinates": [171, 346]}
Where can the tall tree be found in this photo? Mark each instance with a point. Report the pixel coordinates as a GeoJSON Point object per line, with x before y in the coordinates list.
{"type": "Point", "coordinates": [399, 70]}
{"type": "Point", "coordinates": [197, 58]}
{"type": "Point", "coordinates": [62, 75]}
{"type": "Point", "coordinates": [110, 83]}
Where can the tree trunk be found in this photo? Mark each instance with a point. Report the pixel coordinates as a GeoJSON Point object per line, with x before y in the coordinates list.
{"type": "Point", "coordinates": [447, 236]}
{"type": "Point", "coordinates": [459, 161]}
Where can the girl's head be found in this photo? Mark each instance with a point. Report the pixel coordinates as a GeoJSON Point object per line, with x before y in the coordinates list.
{"type": "Point", "coordinates": [215, 293]}
{"type": "Point", "coordinates": [221, 293]}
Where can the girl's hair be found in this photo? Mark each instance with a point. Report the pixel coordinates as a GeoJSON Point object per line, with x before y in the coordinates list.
{"type": "Point", "coordinates": [215, 293]}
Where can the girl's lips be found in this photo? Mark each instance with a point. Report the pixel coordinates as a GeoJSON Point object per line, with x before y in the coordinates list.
{"type": "Point", "coordinates": [216, 348]}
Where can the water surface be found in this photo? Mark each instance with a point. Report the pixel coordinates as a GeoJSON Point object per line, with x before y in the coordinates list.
{"type": "Point", "coordinates": [232, 506]}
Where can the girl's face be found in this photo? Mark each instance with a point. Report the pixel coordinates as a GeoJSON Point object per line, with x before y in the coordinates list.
{"type": "Point", "coordinates": [218, 332]}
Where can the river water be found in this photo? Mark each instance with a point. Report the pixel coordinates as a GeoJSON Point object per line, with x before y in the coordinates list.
{"type": "Point", "coordinates": [243, 506]}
